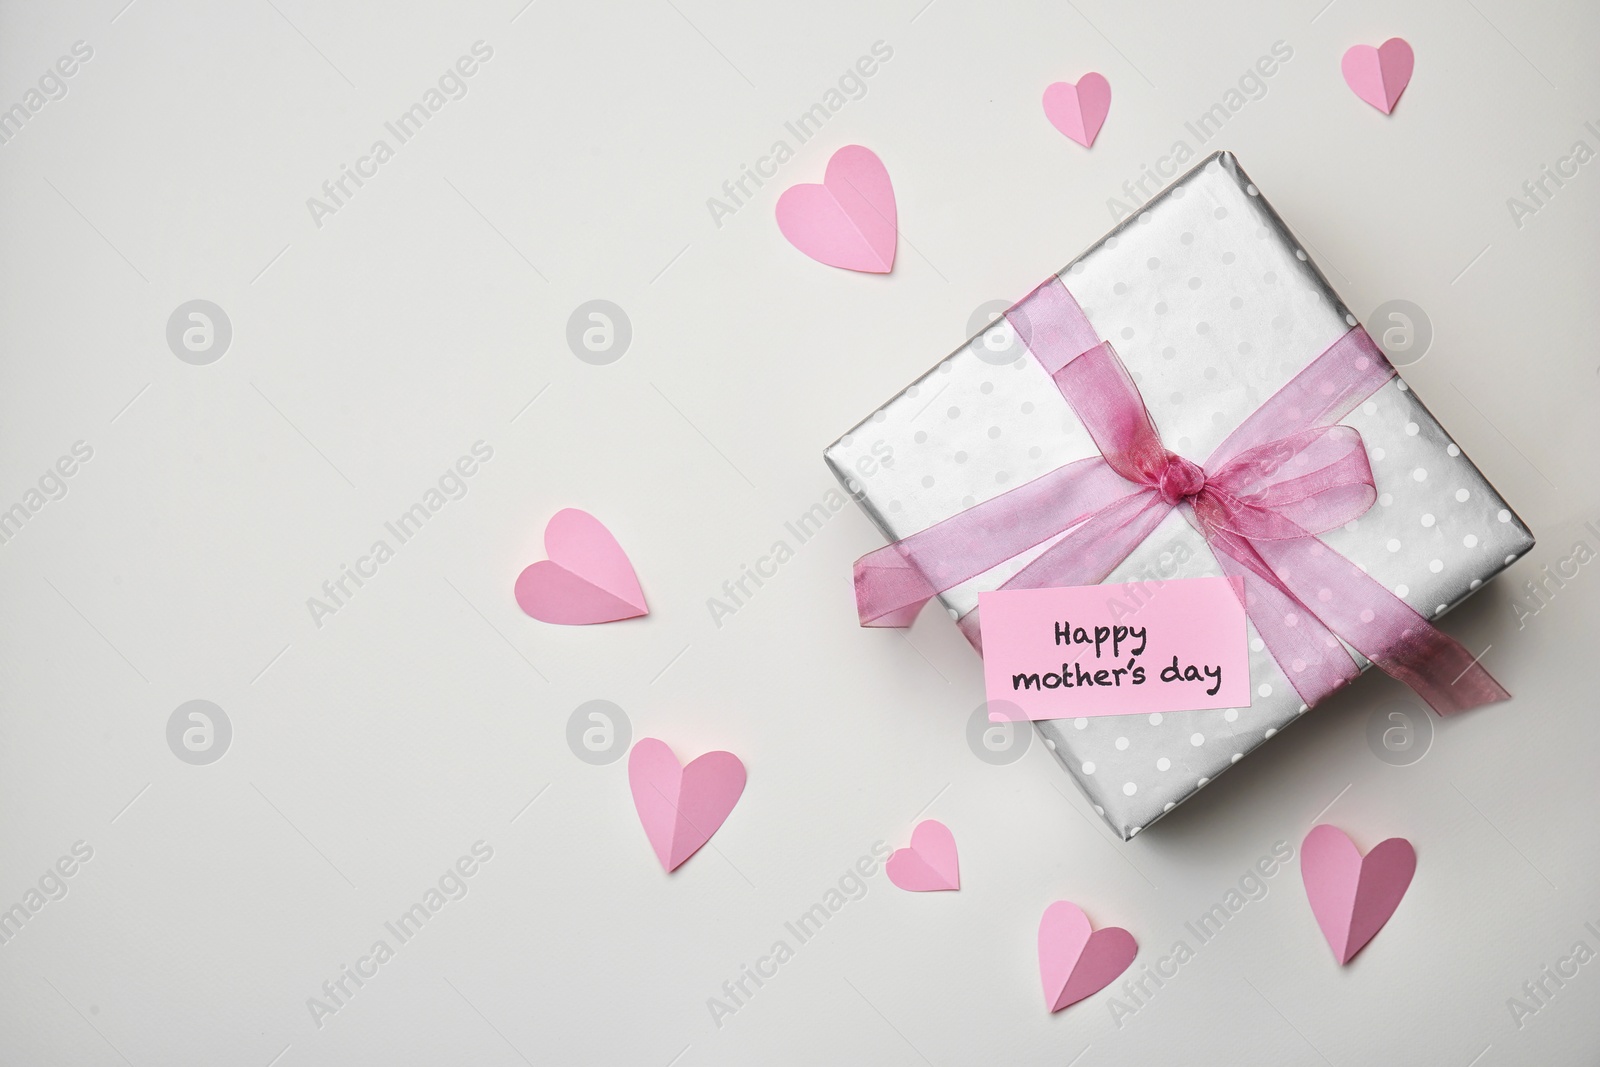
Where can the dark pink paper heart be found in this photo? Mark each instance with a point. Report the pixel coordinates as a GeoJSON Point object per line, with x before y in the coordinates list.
{"type": "Point", "coordinates": [587, 578]}
{"type": "Point", "coordinates": [1353, 895]}
{"type": "Point", "coordinates": [1076, 960]}
{"type": "Point", "coordinates": [849, 220]}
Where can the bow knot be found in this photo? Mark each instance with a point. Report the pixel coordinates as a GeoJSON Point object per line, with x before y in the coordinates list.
{"type": "Point", "coordinates": [1180, 479]}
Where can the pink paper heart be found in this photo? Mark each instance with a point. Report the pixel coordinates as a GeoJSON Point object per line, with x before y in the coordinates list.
{"type": "Point", "coordinates": [682, 806]}
{"type": "Point", "coordinates": [1353, 896]}
{"type": "Point", "coordinates": [1075, 960]}
{"type": "Point", "coordinates": [1379, 75]}
{"type": "Point", "coordinates": [930, 864]}
{"type": "Point", "coordinates": [1079, 110]}
{"type": "Point", "coordinates": [587, 578]}
{"type": "Point", "coordinates": [849, 220]}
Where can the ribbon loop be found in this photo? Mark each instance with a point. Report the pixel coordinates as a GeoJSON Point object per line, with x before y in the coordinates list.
{"type": "Point", "coordinates": [1304, 484]}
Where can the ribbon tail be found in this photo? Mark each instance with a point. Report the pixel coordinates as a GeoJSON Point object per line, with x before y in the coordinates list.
{"type": "Point", "coordinates": [1310, 655]}
{"type": "Point", "coordinates": [1382, 627]}
{"type": "Point", "coordinates": [1422, 662]}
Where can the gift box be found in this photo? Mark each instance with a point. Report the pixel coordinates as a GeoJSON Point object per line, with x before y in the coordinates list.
{"type": "Point", "coordinates": [1218, 317]}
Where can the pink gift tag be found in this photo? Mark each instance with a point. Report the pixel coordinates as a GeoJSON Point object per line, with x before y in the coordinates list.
{"type": "Point", "coordinates": [1115, 649]}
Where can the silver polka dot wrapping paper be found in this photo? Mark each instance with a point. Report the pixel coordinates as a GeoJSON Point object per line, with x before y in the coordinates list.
{"type": "Point", "coordinates": [1213, 306]}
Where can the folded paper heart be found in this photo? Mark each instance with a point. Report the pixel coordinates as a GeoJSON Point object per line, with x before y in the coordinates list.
{"type": "Point", "coordinates": [1379, 75]}
{"type": "Point", "coordinates": [1076, 960]}
{"type": "Point", "coordinates": [849, 220]}
{"type": "Point", "coordinates": [587, 578]}
{"type": "Point", "coordinates": [682, 806]}
{"type": "Point", "coordinates": [1079, 110]}
{"type": "Point", "coordinates": [930, 864]}
{"type": "Point", "coordinates": [1353, 895]}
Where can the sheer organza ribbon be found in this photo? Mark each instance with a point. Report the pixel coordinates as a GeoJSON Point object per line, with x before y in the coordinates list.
{"type": "Point", "coordinates": [1285, 475]}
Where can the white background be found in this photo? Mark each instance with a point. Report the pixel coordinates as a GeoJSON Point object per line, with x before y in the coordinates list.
{"type": "Point", "coordinates": [430, 313]}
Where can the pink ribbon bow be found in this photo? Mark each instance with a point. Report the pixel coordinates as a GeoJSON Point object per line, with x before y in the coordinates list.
{"type": "Point", "coordinates": [1287, 474]}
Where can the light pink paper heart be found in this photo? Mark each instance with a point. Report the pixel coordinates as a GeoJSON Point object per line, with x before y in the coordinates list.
{"type": "Point", "coordinates": [1076, 960]}
{"type": "Point", "coordinates": [930, 864]}
{"type": "Point", "coordinates": [1079, 110]}
{"type": "Point", "coordinates": [587, 578]}
{"type": "Point", "coordinates": [849, 220]}
{"type": "Point", "coordinates": [1379, 75]}
{"type": "Point", "coordinates": [682, 806]}
{"type": "Point", "coordinates": [1353, 896]}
